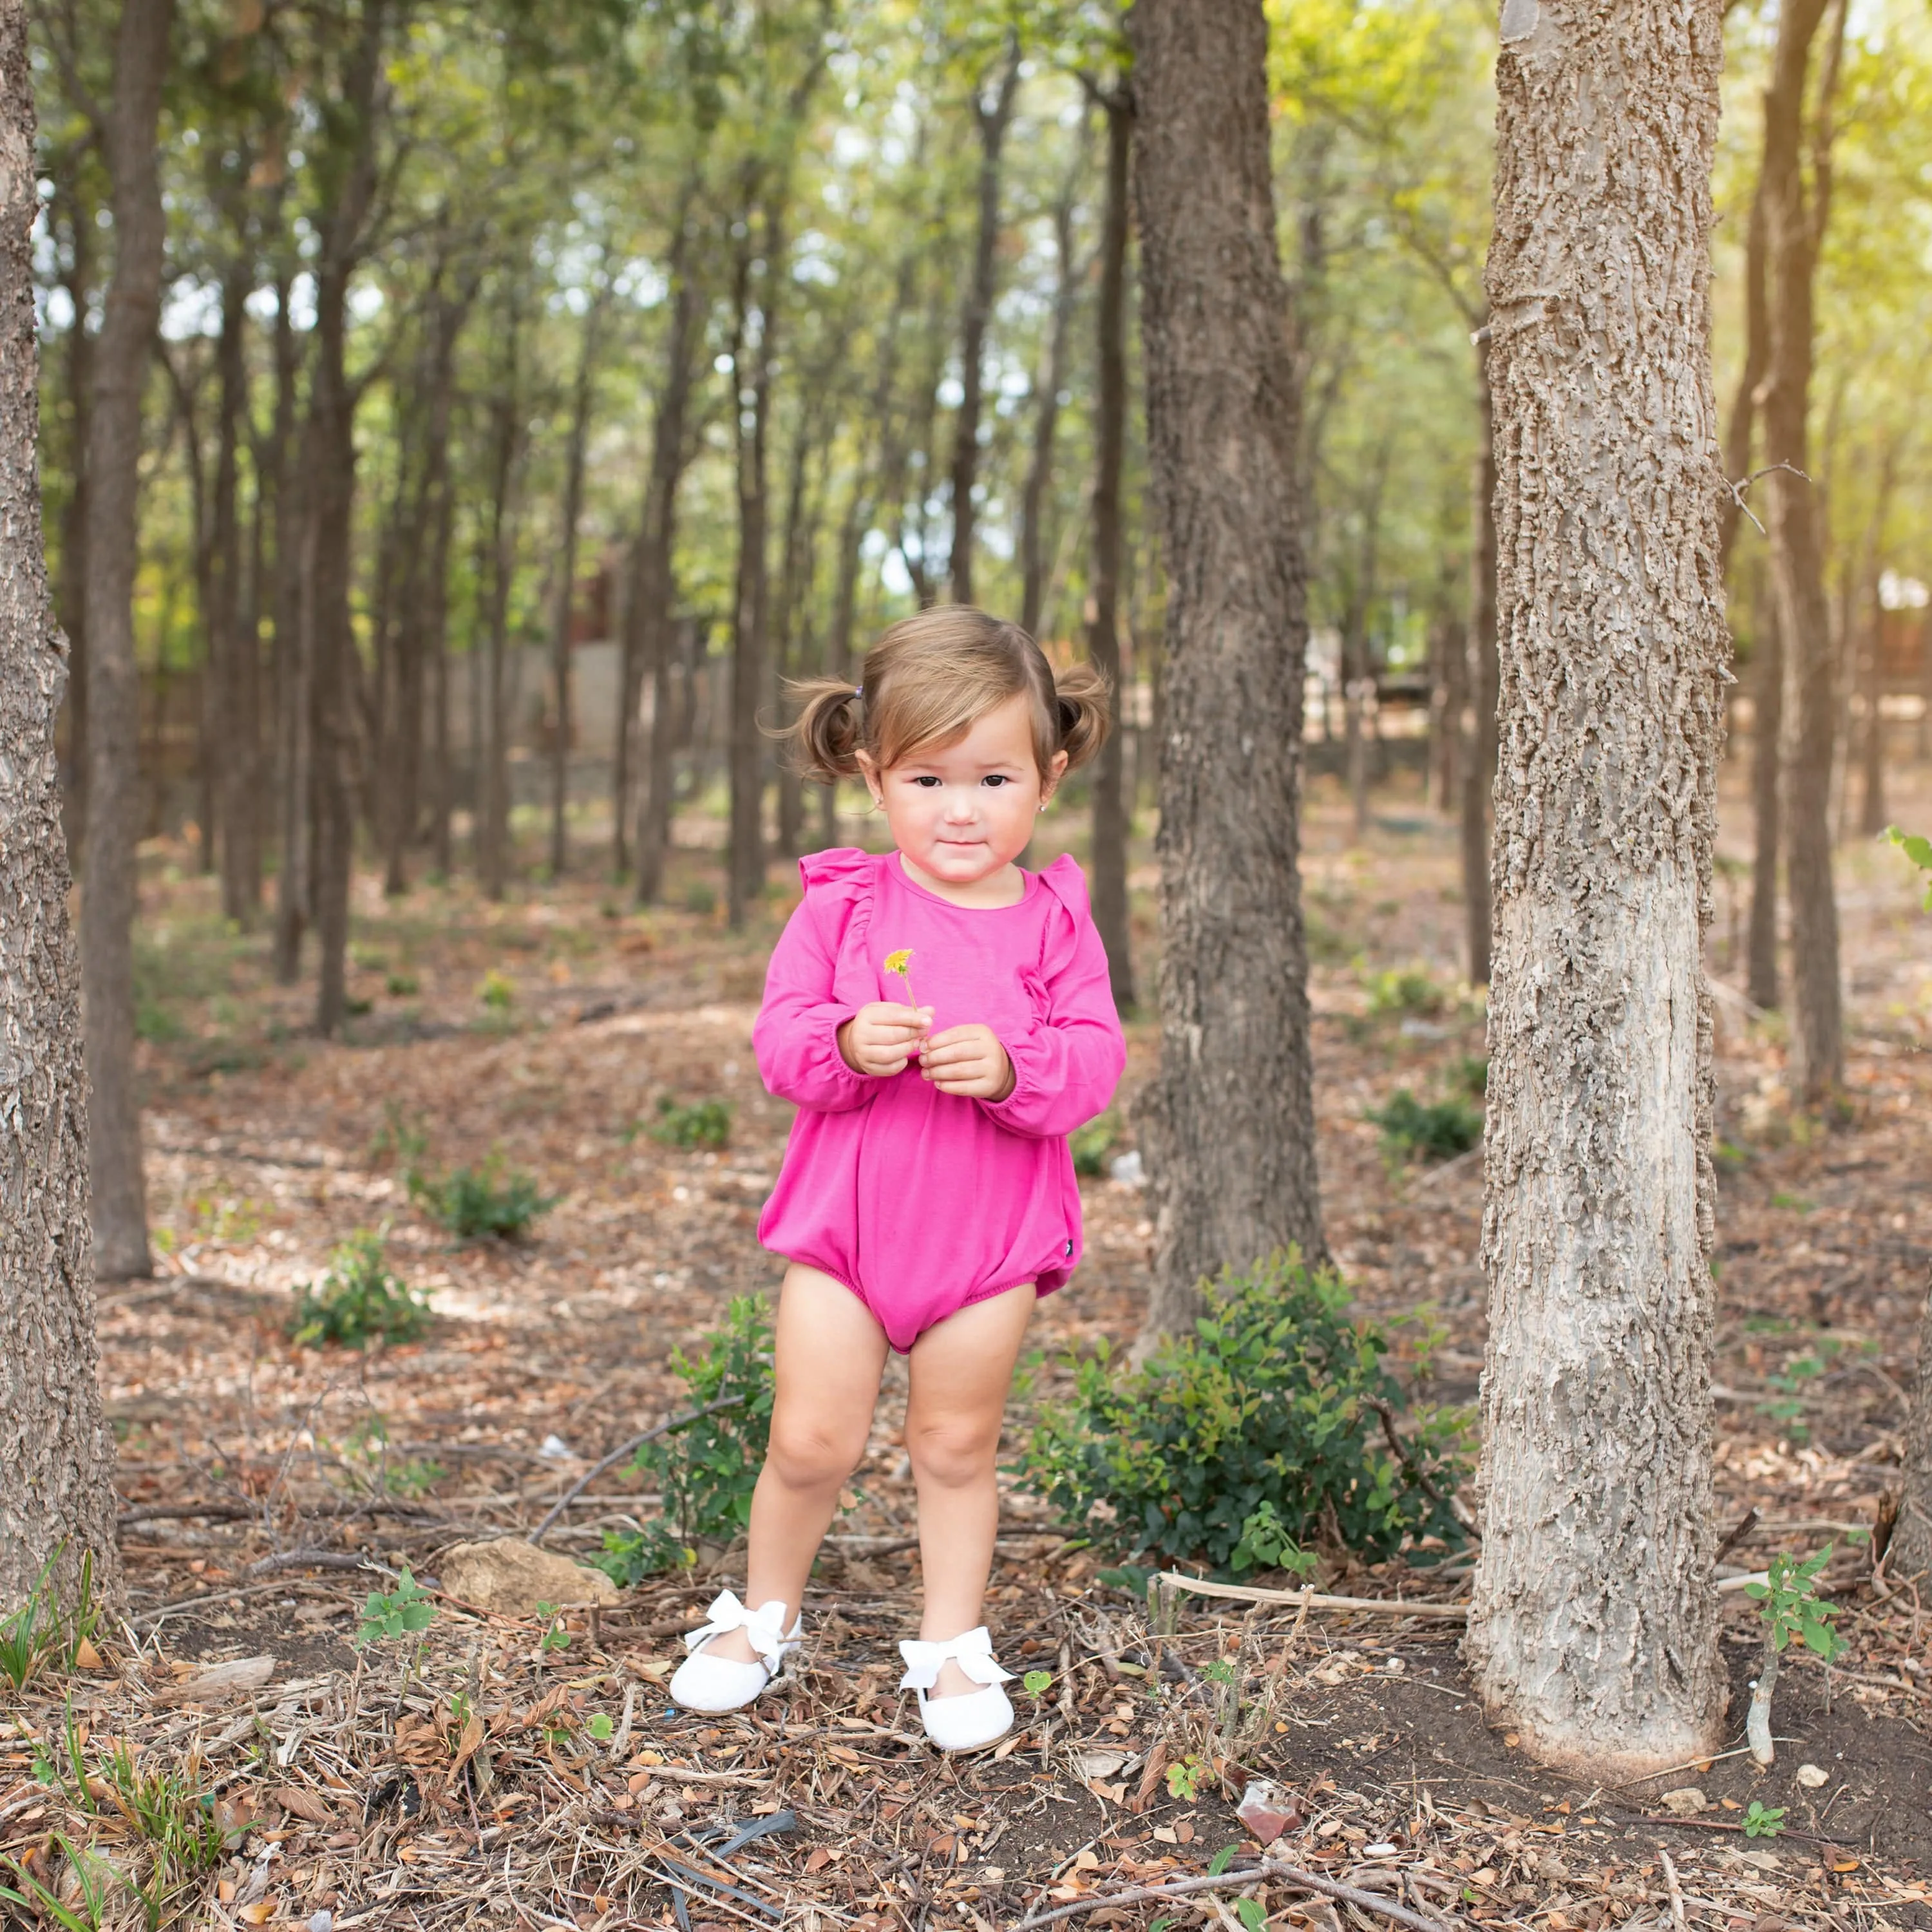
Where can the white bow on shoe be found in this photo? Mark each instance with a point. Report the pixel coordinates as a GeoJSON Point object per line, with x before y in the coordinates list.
{"type": "Point", "coordinates": [968, 1722]}
{"type": "Point", "coordinates": [716, 1684]}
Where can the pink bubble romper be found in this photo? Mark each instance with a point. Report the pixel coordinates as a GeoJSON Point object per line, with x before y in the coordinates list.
{"type": "Point", "coordinates": [923, 1202]}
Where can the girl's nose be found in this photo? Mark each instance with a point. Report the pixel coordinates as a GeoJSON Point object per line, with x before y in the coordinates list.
{"type": "Point", "coordinates": [959, 806]}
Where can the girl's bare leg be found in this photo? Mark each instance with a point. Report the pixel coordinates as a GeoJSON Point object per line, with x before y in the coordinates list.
{"type": "Point", "coordinates": [962, 1370]}
{"type": "Point", "coordinates": [830, 1352]}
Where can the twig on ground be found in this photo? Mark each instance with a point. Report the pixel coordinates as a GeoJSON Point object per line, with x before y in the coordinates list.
{"type": "Point", "coordinates": [1315, 1599]}
{"type": "Point", "coordinates": [1269, 1869]}
{"type": "Point", "coordinates": [630, 1448]}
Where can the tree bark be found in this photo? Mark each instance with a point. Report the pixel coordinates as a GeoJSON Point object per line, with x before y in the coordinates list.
{"type": "Point", "coordinates": [1740, 430]}
{"type": "Point", "coordinates": [1767, 727]}
{"type": "Point", "coordinates": [1795, 222]}
{"type": "Point", "coordinates": [234, 650]}
{"type": "Point", "coordinates": [1230, 1117]}
{"type": "Point", "coordinates": [566, 585]}
{"type": "Point", "coordinates": [491, 755]}
{"type": "Point", "coordinates": [294, 720]}
{"type": "Point", "coordinates": [1046, 404]}
{"type": "Point", "coordinates": [57, 1497]}
{"type": "Point", "coordinates": [1592, 1628]}
{"type": "Point", "coordinates": [114, 701]}
{"type": "Point", "coordinates": [71, 594]}
{"type": "Point", "coordinates": [992, 118]}
{"type": "Point", "coordinates": [1872, 816]}
{"type": "Point", "coordinates": [1112, 823]}
{"type": "Point", "coordinates": [1479, 768]}
{"type": "Point", "coordinates": [1358, 670]}
{"type": "Point", "coordinates": [1909, 1554]}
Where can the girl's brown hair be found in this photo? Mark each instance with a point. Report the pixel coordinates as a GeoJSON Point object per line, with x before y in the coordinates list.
{"type": "Point", "coordinates": [928, 680]}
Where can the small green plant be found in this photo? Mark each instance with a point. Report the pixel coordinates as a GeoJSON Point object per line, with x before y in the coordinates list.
{"type": "Point", "coordinates": [1791, 1610]}
{"type": "Point", "coordinates": [1091, 1144]}
{"type": "Point", "coordinates": [497, 992]}
{"type": "Point", "coordinates": [1406, 993]}
{"type": "Point", "coordinates": [480, 1203]}
{"type": "Point", "coordinates": [1037, 1683]}
{"type": "Point", "coordinates": [1918, 848]}
{"type": "Point", "coordinates": [1763, 1821]}
{"type": "Point", "coordinates": [1266, 1544]}
{"type": "Point", "coordinates": [1221, 1860]}
{"type": "Point", "coordinates": [402, 1140]}
{"type": "Point", "coordinates": [1435, 1129]}
{"type": "Point", "coordinates": [402, 985]}
{"type": "Point", "coordinates": [700, 899]}
{"type": "Point", "coordinates": [1184, 1777]}
{"type": "Point", "coordinates": [1276, 1397]}
{"type": "Point", "coordinates": [400, 1612]}
{"type": "Point", "coordinates": [41, 1632]}
{"type": "Point", "coordinates": [87, 1911]}
{"type": "Point", "coordinates": [705, 1470]}
{"type": "Point", "coordinates": [1252, 1913]}
{"type": "Point", "coordinates": [703, 1123]}
{"type": "Point", "coordinates": [361, 1299]}
{"type": "Point", "coordinates": [556, 1636]}
{"type": "Point", "coordinates": [599, 1726]}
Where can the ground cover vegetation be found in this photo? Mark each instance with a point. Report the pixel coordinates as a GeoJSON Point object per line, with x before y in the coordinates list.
{"type": "Point", "coordinates": [454, 424]}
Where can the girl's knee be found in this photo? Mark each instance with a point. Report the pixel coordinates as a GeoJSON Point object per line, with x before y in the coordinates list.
{"type": "Point", "coordinates": [812, 1455]}
{"type": "Point", "coordinates": [953, 1451]}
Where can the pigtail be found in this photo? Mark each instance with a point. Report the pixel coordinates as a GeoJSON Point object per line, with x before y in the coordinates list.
{"type": "Point", "coordinates": [1084, 701]}
{"type": "Point", "coordinates": [829, 730]}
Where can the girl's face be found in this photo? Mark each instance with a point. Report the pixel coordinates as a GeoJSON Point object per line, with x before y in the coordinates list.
{"type": "Point", "coordinates": [961, 814]}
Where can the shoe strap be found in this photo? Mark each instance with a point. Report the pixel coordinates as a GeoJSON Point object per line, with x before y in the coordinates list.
{"type": "Point", "coordinates": [764, 1626]}
{"type": "Point", "coordinates": [972, 1650]}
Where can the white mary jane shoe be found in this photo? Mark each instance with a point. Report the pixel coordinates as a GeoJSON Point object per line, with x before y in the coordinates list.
{"type": "Point", "coordinates": [716, 1684]}
{"type": "Point", "coordinates": [968, 1722]}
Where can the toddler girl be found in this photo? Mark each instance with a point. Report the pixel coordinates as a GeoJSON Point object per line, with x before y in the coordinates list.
{"type": "Point", "coordinates": [927, 1197]}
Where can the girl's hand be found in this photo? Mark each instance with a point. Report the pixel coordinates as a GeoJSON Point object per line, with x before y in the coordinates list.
{"type": "Point", "coordinates": [880, 1038]}
{"type": "Point", "coordinates": [967, 1060]}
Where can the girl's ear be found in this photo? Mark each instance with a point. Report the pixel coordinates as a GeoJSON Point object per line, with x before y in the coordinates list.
{"type": "Point", "coordinates": [869, 770]}
{"type": "Point", "coordinates": [1055, 771]}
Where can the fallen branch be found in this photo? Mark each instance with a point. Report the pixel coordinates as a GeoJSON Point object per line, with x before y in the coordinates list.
{"type": "Point", "coordinates": [1268, 1869]}
{"type": "Point", "coordinates": [637, 1442]}
{"type": "Point", "coordinates": [1314, 1599]}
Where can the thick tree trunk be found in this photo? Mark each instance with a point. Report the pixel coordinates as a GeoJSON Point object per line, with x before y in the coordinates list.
{"type": "Point", "coordinates": [491, 755]}
{"type": "Point", "coordinates": [1046, 407]}
{"type": "Point", "coordinates": [1358, 669]}
{"type": "Point", "coordinates": [566, 585]}
{"type": "Point", "coordinates": [1909, 1554]}
{"type": "Point", "coordinates": [1767, 727]}
{"type": "Point", "coordinates": [70, 596]}
{"type": "Point", "coordinates": [1872, 816]}
{"type": "Point", "coordinates": [1795, 222]}
{"type": "Point", "coordinates": [1479, 767]}
{"type": "Point", "coordinates": [1592, 1628]}
{"type": "Point", "coordinates": [1112, 822]}
{"type": "Point", "coordinates": [234, 650]}
{"type": "Point", "coordinates": [1230, 1118]}
{"type": "Point", "coordinates": [751, 623]}
{"type": "Point", "coordinates": [993, 117]}
{"type": "Point", "coordinates": [1451, 669]}
{"type": "Point", "coordinates": [114, 703]}
{"type": "Point", "coordinates": [294, 721]}
{"type": "Point", "coordinates": [57, 1493]}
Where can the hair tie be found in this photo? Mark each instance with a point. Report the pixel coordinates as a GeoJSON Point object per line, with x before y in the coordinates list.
{"type": "Point", "coordinates": [858, 691]}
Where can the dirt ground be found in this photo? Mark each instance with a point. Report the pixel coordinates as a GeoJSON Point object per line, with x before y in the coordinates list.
{"type": "Point", "coordinates": [502, 1778]}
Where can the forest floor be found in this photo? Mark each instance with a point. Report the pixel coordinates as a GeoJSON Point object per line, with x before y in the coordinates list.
{"type": "Point", "coordinates": [528, 1772]}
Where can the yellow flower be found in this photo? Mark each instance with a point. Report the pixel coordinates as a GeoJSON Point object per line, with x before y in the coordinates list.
{"type": "Point", "coordinates": [900, 962]}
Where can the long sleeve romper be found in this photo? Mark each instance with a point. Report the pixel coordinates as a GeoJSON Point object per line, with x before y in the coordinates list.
{"type": "Point", "coordinates": [922, 1202]}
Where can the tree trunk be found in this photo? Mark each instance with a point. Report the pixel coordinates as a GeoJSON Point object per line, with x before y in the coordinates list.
{"type": "Point", "coordinates": [1739, 431]}
{"type": "Point", "coordinates": [71, 594]}
{"type": "Point", "coordinates": [1909, 1554]}
{"type": "Point", "coordinates": [751, 628]}
{"type": "Point", "coordinates": [1112, 823]}
{"type": "Point", "coordinates": [1795, 222]}
{"type": "Point", "coordinates": [1230, 1118]}
{"type": "Point", "coordinates": [234, 653]}
{"type": "Point", "coordinates": [1358, 669]}
{"type": "Point", "coordinates": [1593, 1626]}
{"type": "Point", "coordinates": [992, 119]}
{"type": "Point", "coordinates": [57, 1498]}
{"type": "Point", "coordinates": [1479, 767]}
{"type": "Point", "coordinates": [797, 554]}
{"type": "Point", "coordinates": [1452, 699]}
{"type": "Point", "coordinates": [491, 756]}
{"type": "Point", "coordinates": [114, 702]}
{"type": "Point", "coordinates": [294, 720]}
{"type": "Point", "coordinates": [1872, 816]}
{"type": "Point", "coordinates": [1767, 716]}
{"type": "Point", "coordinates": [566, 585]}
{"type": "Point", "coordinates": [1046, 405]}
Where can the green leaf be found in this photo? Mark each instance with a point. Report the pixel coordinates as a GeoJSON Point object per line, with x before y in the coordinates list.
{"type": "Point", "coordinates": [1252, 1914]}
{"type": "Point", "coordinates": [1037, 1683]}
{"type": "Point", "coordinates": [1221, 1860]}
{"type": "Point", "coordinates": [600, 1726]}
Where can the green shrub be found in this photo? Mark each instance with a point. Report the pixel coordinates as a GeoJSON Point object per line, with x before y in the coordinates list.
{"type": "Point", "coordinates": [1407, 991]}
{"type": "Point", "coordinates": [703, 1123]}
{"type": "Point", "coordinates": [1434, 1130]}
{"type": "Point", "coordinates": [705, 1471]}
{"type": "Point", "coordinates": [1092, 1144]}
{"type": "Point", "coordinates": [1269, 1422]}
{"type": "Point", "coordinates": [497, 992]}
{"type": "Point", "coordinates": [358, 1300]}
{"type": "Point", "coordinates": [475, 1202]}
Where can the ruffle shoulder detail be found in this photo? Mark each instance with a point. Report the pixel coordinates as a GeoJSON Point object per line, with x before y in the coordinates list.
{"type": "Point", "coordinates": [845, 876]}
{"type": "Point", "coordinates": [1068, 884]}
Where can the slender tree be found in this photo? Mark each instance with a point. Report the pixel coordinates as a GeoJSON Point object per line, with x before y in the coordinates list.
{"type": "Point", "coordinates": [57, 1494]}
{"type": "Point", "coordinates": [1052, 379]}
{"type": "Point", "coordinates": [1909, 1554]}
{"type": "Point", "coordinates": [1593, 1626]}
{"type": "Point", "coordinates": [1795, 218]}
{"type": "Point", "coordinates": [1231, 1115]}
{"type": "Point", "coordinates": [1479, 768]}
{"type": "Point", "coordinates": [113, 791]}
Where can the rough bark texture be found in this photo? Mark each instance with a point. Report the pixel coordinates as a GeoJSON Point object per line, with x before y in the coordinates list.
{"type": "Point", "coordinates": [993, 118]}
{"type": "Point", "coordinates": [1795, 220]}
{"type": "Point", "coordinates": [1592, 1627]}
{"type": "Point", "coordinates": [1909, 1554]}
{"type": "Point", "coordinates": [1479, 768]}
{"type": "Point", "coordinates": [1110, 814]}
{"type": "Point", "coordinates": [1767, 726]}
{"type": "Point", "coordinates": [293, 720]}
{"type": "Point", "coordinates": [114, 703]}
{"type": "Point", "coordinates": [234, 650]}
{"type": "Point", "coordinates": [566, 585]}
{"type": "Point", "coordinates": [57, 1498]}
{"type": "Point", "coordinates": [1231, 1118]}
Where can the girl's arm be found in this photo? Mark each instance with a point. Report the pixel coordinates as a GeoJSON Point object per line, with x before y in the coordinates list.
{"type": "Point", "coordinates": [796, 1037]}
{"type": "Point", "coordinates": [1066, 1064]}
